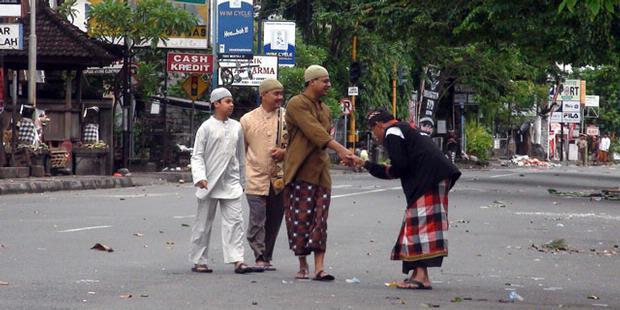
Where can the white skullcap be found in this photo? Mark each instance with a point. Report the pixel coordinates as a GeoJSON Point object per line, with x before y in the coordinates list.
{"type": "Point", "coordinates": [315, 72]}
{"type": "Point", "coordinates": [219, 93]}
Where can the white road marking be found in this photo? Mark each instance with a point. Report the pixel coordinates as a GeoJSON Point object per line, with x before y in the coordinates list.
{"type": "Point", "coordinates": [84, 228]}
{"type": "Point", "coordinates": [572, 215]}
{"type": "Point", "coordinates": [183, 216]}
{"type": "Point", "coordinates": [502, 175]}
{"type": "Point", "coordinates": [367, 192]}
{"type": "Point", "coordinates": [341, 186]}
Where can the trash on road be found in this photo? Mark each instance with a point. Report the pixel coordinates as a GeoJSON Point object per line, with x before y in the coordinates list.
{"type": "Point", "coordinates": [593, 297]}
{"type": "Point", "coordinates": [497, 204]}
{"type": "Point", "coordinates": [514, 296]}
{"type": "Point", "coordinates": [102, 247]}
{"type": "Point", "coordinates": [391, 284]}
{"type": "Point", "coordinates": [427, 305]}
{"type": "Point", "coordinates": [3, 283]}
{"type": "Point", "coordinates": [138, 234]}
{"type": "Point", "coordinates": [352, 280]}
{"type": "Point", "coordinates": [457, 299]}
{"type": "Point", "coordinates": [526, 161]}
{"type": "Point", "coordinates": [126, 296]}
{"type": "Point", "coordinates": [185, 225]}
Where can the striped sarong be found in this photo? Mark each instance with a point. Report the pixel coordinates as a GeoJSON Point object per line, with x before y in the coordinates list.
{"type": "Point", "coordinates": [424, 232]}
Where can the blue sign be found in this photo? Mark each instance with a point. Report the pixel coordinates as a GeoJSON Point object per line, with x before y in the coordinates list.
{"type": "Point", "coordinates": [279, 40]}
{"type": "Point", "coordinates": [235, 28]}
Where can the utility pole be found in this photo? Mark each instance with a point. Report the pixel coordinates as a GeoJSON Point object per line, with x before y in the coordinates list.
{"type": "Point", "coordinates": [394, 90]}
{"type": "Point", "coordinates": [352, 132]}
{"type": "Point", "coordinates": [32, 55]}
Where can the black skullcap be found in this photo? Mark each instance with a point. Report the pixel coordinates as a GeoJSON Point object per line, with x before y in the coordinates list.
{"type": "Point", "coordinates": [378, 115]}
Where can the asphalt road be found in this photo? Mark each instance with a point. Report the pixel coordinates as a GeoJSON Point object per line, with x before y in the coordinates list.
{"type": "Point", "coordinates": [496, 215]}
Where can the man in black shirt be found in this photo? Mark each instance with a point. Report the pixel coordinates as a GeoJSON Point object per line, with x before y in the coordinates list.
{"type": "Point", "coordinates": [426, 177]}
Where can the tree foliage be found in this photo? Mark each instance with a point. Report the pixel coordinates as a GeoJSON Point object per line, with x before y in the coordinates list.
{"type": "Point", "coordinates": [147, 24]}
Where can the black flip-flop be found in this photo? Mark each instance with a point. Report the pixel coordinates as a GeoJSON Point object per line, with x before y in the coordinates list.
{"type": "Point", "coordinates": [414, 285]}
{"type": "Point", "coordinates": [270, 268]}
{"type": "Point", "coordinates": [243, 268]}
{"type": "Point", "coordinates": [202, 269]}
{"type": "Point", "coordinates": [323, 276]}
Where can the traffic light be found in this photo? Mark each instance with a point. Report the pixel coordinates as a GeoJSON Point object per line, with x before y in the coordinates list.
{"type": "Point", "coordinates": [194, 85]}
{"type": "Point", "coordinates": [355, 71]}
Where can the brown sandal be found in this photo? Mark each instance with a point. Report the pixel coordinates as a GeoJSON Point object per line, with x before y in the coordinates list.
{"type": "Point", "coordinates": [302, 274]}
{"type": "Point", "coordinates": [203, 268]}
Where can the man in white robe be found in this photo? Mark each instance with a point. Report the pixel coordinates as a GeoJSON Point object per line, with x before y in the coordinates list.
{"type": "Point", "coordinates": [217, 163]}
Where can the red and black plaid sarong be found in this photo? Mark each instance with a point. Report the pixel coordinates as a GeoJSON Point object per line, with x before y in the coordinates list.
{"type": "Point", "coordinates": [424, 233]}
{"type": "Point", "coordinates": [306, 208]}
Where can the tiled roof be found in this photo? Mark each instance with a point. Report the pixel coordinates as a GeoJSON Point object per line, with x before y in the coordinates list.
{"type": "Point", "coordinates": [60, 43]}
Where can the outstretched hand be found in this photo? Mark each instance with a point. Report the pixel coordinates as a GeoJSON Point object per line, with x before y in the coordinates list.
{"type": "Point", "coordinates": [355, 161]}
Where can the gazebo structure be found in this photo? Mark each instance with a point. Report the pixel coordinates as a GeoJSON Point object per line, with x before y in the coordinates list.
{"type": "Point", "coordinates": [65, 51]}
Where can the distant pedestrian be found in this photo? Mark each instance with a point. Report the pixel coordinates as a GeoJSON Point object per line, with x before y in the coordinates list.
{"type": "Point", "coordinates": [604, 149]}
{"type": "Point", "coordinates": [581, 148]}
{"type": "Point", "coordinates": [306, 172]}
{"type": "Point", "coordinates": [217, 160]}
{"type": "Point", "coordinates": [426, 177]}
{"type": "Point", "coordinates": [266, 137]}
{"type": "Point", "coordinates": [594, 148]}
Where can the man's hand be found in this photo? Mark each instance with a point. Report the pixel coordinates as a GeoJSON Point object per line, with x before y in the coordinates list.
{"type": "Point", "coordinates": [356, 161]}
{"type": "Point", "coordinates": [345, 156]}
{"type": "Point", "coordinates": [278, 153]}
{"type": "Point", "coordinates": [202, 184]}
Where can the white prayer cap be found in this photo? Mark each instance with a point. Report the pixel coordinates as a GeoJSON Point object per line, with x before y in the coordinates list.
{"type": "Point", "coordinates": [219, 93]}
{"type": "Point", "coordinates": [315, 72]}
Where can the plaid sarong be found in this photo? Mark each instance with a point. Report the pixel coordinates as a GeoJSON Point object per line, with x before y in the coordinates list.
{"type": "Point", "coordinates": [91, 134]}
{"type": "Point", "coordinates": [306, 207]}
{"type": "Point", "coordinates": [424, 233]}
{"type": "Point", "coordinates": [27, 133]}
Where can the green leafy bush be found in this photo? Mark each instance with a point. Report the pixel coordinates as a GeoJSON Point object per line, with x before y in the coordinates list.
{"type": "Point", "coordinates": [479, 140]}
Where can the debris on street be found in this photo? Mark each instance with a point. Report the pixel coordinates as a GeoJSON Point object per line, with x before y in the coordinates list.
{"type": "Point", "coordinates": [353, 280]}
{"type": "Point", "coordinates": [526, 161]}
{"type": "Point", "coordinates": [102, 247]}
{"type": "Point", "coordinates": [609, 194]}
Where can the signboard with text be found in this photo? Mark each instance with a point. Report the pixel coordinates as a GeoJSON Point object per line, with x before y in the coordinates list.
{"type": "Point", "coordinates": [10, 8]}
{"type": "Point", "coordinates": [195, 38]}
{"type": "Point", "coordinates": [592, 101]}
{"type": "Point", "coordinates": [279, 40]}
{"type": "Point", "coordinates": [11, 36]}
{"type": "Point", "coordinates": [571, 91]}
{"type": "Point", "coordinates": [189, 63]}
{"type": "Point", "coordinates": [248, 73]}
{"type": "Point", "coordinates": [235, 29]}
{"type": "Point", "coordinates": [571, 117]}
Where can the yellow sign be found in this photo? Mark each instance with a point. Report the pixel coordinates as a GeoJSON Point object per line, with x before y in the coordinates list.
{"type": "Point", "coordinates": [195, 86]}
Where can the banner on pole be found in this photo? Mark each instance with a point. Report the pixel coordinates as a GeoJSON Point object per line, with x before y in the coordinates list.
{"type": "Point", "coordinates": [279, 40]}
{"type": "Point", "coordinates": [235, 28]}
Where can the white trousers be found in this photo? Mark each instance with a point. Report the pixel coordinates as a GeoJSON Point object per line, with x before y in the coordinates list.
{"type": "Point", "coordinates": [232, 230]}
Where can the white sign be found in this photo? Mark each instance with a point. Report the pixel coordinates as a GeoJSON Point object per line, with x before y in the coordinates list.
{"type": "Point", "coordinates": [571, 117]}
{"type": "Point", "coordinates": [571, 90]}
{"type": "Point", "coordinates": [248, 73]}
{"type": "Point", "coordinates": [353, 91]}
{"type": "Point", "coordinates": [570, 106]}
{"type": "Point", "coordinates": [11, 36]}
{"type": "Point", "coordinates": [556, 117]}
{"type": "Point", "coordinates": [10, 8]}
{"type": "Point", "coordinates": [592, 130]}
{"type": "Point", "coordinates": [279, 40]}
{"type": "Point", "coordinates": [346, 106]}
{"type": "Point", "coordinates": [431, 94]}
{"type": "Point", "coordinates": [592, 101]}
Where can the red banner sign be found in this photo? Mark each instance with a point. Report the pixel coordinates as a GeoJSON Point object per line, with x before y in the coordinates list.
{"type": "Point", "coordinates": [189, 63]}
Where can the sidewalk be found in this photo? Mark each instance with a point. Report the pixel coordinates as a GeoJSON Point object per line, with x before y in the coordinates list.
{"type": "Point", "coordinates": [83, 182]}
